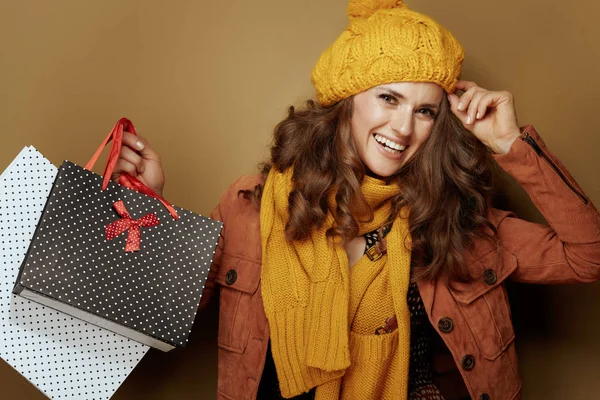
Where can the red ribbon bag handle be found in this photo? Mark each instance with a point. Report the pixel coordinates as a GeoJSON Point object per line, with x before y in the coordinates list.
{"type": "Point", "coordinates": [116, 135]}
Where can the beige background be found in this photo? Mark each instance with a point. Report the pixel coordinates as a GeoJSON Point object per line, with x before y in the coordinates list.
{"type": "Point", "coordinates": [206, 82]}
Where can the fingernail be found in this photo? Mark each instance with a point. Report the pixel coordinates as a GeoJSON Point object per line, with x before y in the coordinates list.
{"type": "Point", "coordinates": [469, 120]}
{"type": "Point", "coordinates": [459, 107]}
{"type": "Point", "coordinates": [140, 145]}
{"type": "Point", "coordinates": [477, 116]}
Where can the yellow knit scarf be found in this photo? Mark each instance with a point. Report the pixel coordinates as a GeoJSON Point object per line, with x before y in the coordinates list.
{"type": "Point", "coordinates": [305, 288]}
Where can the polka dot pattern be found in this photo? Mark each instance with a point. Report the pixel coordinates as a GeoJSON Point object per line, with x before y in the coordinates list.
{"type": "Point", "coordinates": [63, 357]}
{"type": "Point", "coordinates": [155, 290]}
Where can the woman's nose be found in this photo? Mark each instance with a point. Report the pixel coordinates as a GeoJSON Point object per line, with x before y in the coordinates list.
{"type": "Point", "coordinates": [402, 122]}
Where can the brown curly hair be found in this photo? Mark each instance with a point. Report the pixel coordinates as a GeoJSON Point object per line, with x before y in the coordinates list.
{"type": "Point", "coordinates": [448, 185]}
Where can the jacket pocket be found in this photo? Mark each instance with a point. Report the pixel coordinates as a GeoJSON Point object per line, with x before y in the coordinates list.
{"type": "Point", "coordinates": [484, 303]}
{"type": "Point", "coordinates": [239, 280]}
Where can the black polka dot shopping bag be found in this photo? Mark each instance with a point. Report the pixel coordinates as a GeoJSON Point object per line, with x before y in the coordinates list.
{"type": "Point", "coordinates": [118, 255]}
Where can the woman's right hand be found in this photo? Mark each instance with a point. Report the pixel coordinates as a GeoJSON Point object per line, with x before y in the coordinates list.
{"type": "Point", "coordinates": [139, 160]}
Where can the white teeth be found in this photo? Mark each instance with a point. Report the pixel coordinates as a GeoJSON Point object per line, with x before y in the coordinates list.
{"type": "Point", "coordinates": [389, 143]}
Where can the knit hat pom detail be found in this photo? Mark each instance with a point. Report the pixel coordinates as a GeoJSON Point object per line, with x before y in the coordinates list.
{"type": "Point", "coordinates": [366, 8]}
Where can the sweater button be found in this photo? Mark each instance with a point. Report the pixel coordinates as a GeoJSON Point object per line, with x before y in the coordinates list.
{"type": "Point", "coordinates": [231, 277]}
{"type": "Point", "coordinates": [446, 325]}
{"type": "Point", "coordinates": [468, 362]}
{"type": "Point", "coordinates": [489, 277]}
{"type": "Point", "coordinates": [484, 396]}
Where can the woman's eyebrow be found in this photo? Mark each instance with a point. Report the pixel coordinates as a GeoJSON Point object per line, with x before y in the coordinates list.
{"type": "Point", "coordinates": [402, 97]}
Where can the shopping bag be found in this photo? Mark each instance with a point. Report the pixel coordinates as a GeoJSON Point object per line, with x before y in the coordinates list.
{"type": "Point", "coordinates": [52, 350]}
{"type": "Point", "coordinates": [118, 255]}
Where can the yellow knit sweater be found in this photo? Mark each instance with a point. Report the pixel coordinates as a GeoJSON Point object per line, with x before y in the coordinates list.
{"type": "Point", "coordinates": [321, 316]}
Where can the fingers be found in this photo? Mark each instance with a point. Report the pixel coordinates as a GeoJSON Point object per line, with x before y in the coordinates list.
{"type": "Point", "coordinates": [453, 99]}
{"type": "Point", "coordinates": [474, 102]}
{"type": "Point", "coordinates": [132, 158]}
{"type": "Point", "coordinates": [139, 144]}
{"type": "Point", "coordinates": [132, 141]}
{"type": "Point", "coordinates": [487, 101]}
{"type": "Point", "coordinates": [465, 85]}
{"type": "Point", "coordinates": [123, 166]}
{"type": "Point", "coordinates": [462, 106]}
{"type": "Point", "coordinates": [472, 111]}
{"type": "Point", "coordinates": [139, 160]}
{"type": "Point", "coordinates": [465, 99]}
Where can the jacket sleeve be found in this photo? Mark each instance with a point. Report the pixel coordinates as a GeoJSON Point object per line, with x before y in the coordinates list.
{"type": "Point", "coordinates": [219, 213]}
{"type": "Point", "coordinates": [566, 251]}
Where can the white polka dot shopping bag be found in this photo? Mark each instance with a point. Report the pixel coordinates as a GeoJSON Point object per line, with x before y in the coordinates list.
{"type": "Point", "coordinates": [118, 255]}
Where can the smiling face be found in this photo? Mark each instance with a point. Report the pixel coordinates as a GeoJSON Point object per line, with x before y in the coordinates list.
{"type": "Point", "coordinates": [390, 123]}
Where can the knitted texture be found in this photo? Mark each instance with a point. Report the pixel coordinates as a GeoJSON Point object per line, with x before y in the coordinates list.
{"type": "Point", "coordinates": [386, 42]}
{"type": "Point", "coordinates": [308, 302]}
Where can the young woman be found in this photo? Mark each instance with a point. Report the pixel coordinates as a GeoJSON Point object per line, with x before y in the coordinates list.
{"type": "Point", "coordinates": [369, 238]}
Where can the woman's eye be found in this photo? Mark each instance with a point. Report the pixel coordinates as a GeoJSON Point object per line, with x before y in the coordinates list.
{"type": "Point", "coordinates": [387, 98]}
{"type": "Point", "coordinates": [427, 111]}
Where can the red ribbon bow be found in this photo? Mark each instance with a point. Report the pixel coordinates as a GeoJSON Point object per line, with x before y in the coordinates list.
{"type": "Point", "coordinates": [119, 226]}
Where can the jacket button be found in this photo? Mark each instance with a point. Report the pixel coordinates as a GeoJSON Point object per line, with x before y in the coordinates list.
{"type": "Point", "coordinates": [468, 362]}
{"type": "Point", "coordinates": [445, 324]}
{"type": "Point", "coordinates": [231, 277]}
{"type": "Point", "coordinates": [484, 396]}
{"type": "Point", "coordinates": [489, 277]}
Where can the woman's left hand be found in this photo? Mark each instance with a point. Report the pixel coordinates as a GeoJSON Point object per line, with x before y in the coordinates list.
{"type": "Point", "coordinates": [489, 115]}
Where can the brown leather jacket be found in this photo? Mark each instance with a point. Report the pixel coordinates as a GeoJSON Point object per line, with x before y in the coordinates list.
{"type": "Point", "coordinates": [473, 320]}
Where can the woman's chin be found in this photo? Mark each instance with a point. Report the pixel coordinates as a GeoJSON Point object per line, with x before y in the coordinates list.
{"type": "Point", "coordinates": [382, 172]}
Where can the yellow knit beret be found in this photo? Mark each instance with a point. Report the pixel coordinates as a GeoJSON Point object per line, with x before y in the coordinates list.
{"type": "Point", "coordinates": [386, 42]}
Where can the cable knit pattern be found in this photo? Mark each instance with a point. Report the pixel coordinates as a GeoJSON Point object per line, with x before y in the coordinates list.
{"type": "Point", "coordinates": [386, 42]}
{"type": "Point", "coordinates": [310, 306]}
